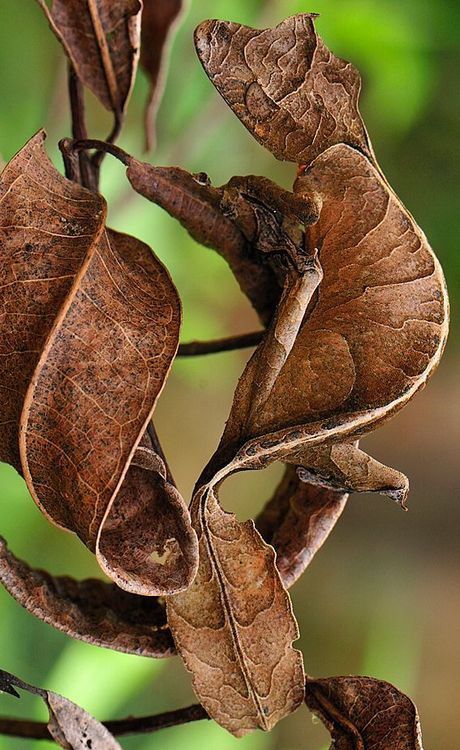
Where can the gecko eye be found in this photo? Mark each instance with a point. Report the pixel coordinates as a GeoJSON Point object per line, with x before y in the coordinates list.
{"type": "Point", "coordinates": [202, 178]}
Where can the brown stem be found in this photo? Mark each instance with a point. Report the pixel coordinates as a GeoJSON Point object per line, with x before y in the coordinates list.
{"type": "Point", "coordinates": [141, 725]}
{"type": "Point", "coordinates": [97, 158]}
{"type": "Point", "coordinates": [79, 132]}
{"type": "Point", "coordinates": [197, 348]}
{"type": "Point", "coordinates": [87, 144]}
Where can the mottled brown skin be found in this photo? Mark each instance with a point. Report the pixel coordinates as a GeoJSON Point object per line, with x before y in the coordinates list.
{"type": "Point", "coordinates": [294, 96]}
{"type": "Point", "coordinates": [257, 227]}
{"type": "Point", "coordinates": [91, 323]}
{"type": "Point", "coordinates": [102, 40]}
{"type": "Point", "coordinates": [297, 521]}
{"type": "Point", "coordinates": [92, 611]}
{"type": "Point", "coordinates": [234, 626]}
{"type": "Point", "coordinates": [362, 713]}
{"type": "Point", "coordinates": [159, 17]}
{"type": "Point", "coordinates": [254, 224]}
{"type": "Point", "coordinates": [69, 725]}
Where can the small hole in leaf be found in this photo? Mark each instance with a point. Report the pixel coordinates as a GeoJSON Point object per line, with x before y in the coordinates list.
{"type": "Point", "coordinates": [160, 559]}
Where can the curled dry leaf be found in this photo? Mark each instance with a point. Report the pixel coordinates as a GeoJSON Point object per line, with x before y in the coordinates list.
{"type": "Point", "coordinates": [102, 40]}
{"type": "Point", "coordinates": [69, 725]}
{"type": "Point", "coordinates": [91, 325]}
{"type": "Point", "coordinates": [362, 713]}
{"type": "Point", "coordinates": [286, 87]}
{"type": "Point", "coordinates": [234, 626]}
{"type": "Point", "coordinates": [297, 521]}
{"type": "Point", "coordinates": [158, 20]}
{"type": "Point", "coordinates": [370, 339]}
{"type": "Point", "coordinates": [93, 611]}
{"type": "Point", "coordinates": [386, 320]}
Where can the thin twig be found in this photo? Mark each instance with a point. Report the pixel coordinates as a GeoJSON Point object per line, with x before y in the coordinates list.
{"type": "Point", "coordinates": [79, 132]}
{"type": "Point", "coordinates": [37, 730]}
{"type": "Point", "coordinates": [197, 348]}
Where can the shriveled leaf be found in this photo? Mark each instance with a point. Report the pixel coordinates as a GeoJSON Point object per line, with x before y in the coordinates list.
{"type": "Point", "coordinates": [297, 521]}
{"type": "Point", "coordinates": [294, 96]}
{"type": "Point", "coordinates": [102, 40]}
{"type": "Point", "coordinates": [93, 611]}
{"type": "Point", "coordinates": [369, 341]}
{"type": "Point", "coordinates": [158, 20]}
{"type": "Point", "coordinates": [362, 713]}
{"type": "Point", "coordinates": [251, 222]}
{"type": "Point", "coordinates": [69, 725]}
{"type": "Point", "coordinates": [91, 325]}
{"type": "Point", "coordinates": [234, 626]}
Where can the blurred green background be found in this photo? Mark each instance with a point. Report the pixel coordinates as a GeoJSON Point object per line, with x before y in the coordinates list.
{"type": "Point", "coordinates": [383, 597]}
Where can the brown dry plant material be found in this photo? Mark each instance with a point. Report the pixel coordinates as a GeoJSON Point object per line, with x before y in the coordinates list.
{"type": "Point", "coordinates": [102, 40]}
{"type": "Point", "coordinates": [355, 314]}
{"type": "Point", "coordinates": [285, 85]}
{"type": "Point", "coordinates": [90, 367]}
{"type": "Point", "coordinates": [234, 626]}
{"type": "Point", "coordinates": [92, 610]}
{"type": "Point", "coordinates": [69, 725]}
{"type": "Point", "coordinates": [297, 521]}
{"type": "Point", "coordinates": [158, 20]}
{"type": "Point", "coordinates": [362, 713]}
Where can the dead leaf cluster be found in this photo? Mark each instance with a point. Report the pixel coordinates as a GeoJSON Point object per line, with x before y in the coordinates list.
{"type": "Point", "coordinates": [354, 308]}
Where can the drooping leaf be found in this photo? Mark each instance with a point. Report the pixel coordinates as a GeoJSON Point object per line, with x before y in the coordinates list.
{"type": "Point", "coordinates": [250, 221]}
{"type": "Point", "coordinates": [297, 521]}
{"type": "Point", "coordinates": [234, 626]}
{"type": "Point", "coordinates": [91, 610]}
{"type": "Point", "coordinates": [69, 725]}
{"type": "Point", "coordinates": [362, 713]}
{"type": "Point", "coordinates": [158, 20]}
{"type": "Point", "coordinates": [286, 87]}
{"type": "Point", "coordinates": [90, 327]}
{"type": "Point", "coordinates": [102, 40]}
{"type": "Point", "coordinates": [369, 341]}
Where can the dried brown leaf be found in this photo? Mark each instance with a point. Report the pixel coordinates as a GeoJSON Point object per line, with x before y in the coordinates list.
{"type": "Point", "coordinates": [91, 326]}
{"type": "Point", "coordinates": [362, 713]}
{"type": "Point", "coordinates": [234, 626]}
{"type": "Point", "coordinates": [102, 40]}
{"type": "Point", "coordinates": [91, 610]}
{"type": "Point", "coordinates": [159, 17]}
{"type": "Point", "coordinates": [297, 521]}
{"type": "Point", "coordinates": [294, 96]}
{"type": "Point", "coordinates": [69, 725]}
{"type": "Point", "coordinates": [372, 335]}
